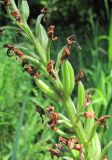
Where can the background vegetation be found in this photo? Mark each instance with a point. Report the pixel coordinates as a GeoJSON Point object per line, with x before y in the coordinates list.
{"type": "Point", "coordinates": [91, 22]}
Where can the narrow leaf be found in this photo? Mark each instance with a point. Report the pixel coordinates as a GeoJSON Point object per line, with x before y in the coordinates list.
{"type": "Point", "coordinates": [18, 133]}
{"type": "Point", "coordinates": [110, 137]}
{"type": "Point", "coordinates": [105, 150]}
{"type": "Point", "coordinates": [110, 42]}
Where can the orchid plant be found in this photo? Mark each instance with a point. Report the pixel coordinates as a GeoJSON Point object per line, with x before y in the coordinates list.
{"type": "Point", "coordinates": [56, 79]}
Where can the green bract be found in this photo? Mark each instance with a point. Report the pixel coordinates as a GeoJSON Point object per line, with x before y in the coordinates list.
{"type": "Point", "coordinates": [47, 89]}
{"type": "Point", "coordinates": [41, 34]}
{"type": "Point", "coordinates": [24, 9]}
{"type": "Point", "coordinates": [81, 97]}
{"type": "Point", "coordinates": [67, 75]}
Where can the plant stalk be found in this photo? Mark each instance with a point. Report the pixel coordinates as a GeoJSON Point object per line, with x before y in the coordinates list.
{"type": "Point", "coordinates": [78, 128]}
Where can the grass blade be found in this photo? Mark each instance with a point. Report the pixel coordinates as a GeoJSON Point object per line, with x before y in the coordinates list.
{"type": "Point", "coordinates": [110, 42]}
{"type": "Point", "coordinates": [110, 137]}
{"type": "Point", "coordinates": [18, 134]}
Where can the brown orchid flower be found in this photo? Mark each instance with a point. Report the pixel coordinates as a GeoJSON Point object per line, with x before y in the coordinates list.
{"type": "Point", "coordinates": [79, 76]}
{"type": "Point", "coordinates": [102, 120]}
{"type": "Point", "coordinates": [6, 2]}
{"type": "Point", "coordinates": [87, 99]}
{"type": "Point", "coordinates": [89, 114]}
{"type": "Point", "coordinates": [50, 69]}
{"type": "Point", "coordinates": [16, 15]}
{"type": "Point", "coordinates": [44, 10]}
{"type": "Point", "coordinates": [51, 31]}
{"type": "Point", "coordinates": [54, 153]}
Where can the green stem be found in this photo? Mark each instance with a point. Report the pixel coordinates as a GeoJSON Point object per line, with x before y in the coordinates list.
{"type": "Point", "coordinates": [79, 115]}
{"type": "Point", "coordinates": [78, 128]}
{"type": "Point", "coordinates": [71, 112]}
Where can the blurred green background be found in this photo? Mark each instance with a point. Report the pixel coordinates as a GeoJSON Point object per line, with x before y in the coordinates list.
{"type": "Point", "coordinates": [91, 23]}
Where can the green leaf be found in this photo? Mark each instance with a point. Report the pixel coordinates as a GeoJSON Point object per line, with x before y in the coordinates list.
{"type": "Point", "coordinates": [106, 3]}
{"type": "Point", "coordinates": [110, 42]}
{"type": "Point", "coordinates": [18, 133]}
{"type": "Point", "coordinates": [1, 75]}
{"type": "Point", "coordinates": [41, 33]}
{"type": "Point", "coordinates": [110, 136]}
{"type": "Point", "coordinates": [105, 150]}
